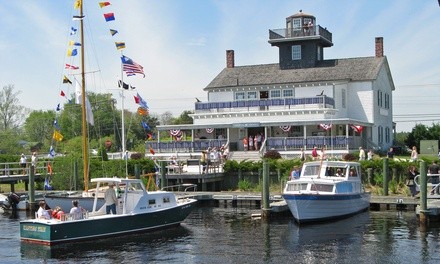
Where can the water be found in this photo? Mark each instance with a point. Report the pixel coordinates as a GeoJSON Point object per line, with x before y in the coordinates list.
{"type": "Point", "coordinates": [230, 235]}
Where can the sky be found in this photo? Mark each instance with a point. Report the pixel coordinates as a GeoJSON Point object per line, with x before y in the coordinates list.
{"type": "Point", "coordinates": [182, 47]}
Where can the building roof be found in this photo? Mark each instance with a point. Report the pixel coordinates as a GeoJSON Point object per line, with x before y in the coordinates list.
{"type": "Point", "coordinates": [353, 69]}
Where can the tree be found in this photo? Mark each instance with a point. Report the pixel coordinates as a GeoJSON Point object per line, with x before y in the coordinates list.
{"type": "Point", "coordinates": [184, 118]}
{"type": "Point", "coordinates": [166, 118]}
{"type": "Point", "coordinates": [39, 126]}
{"type": "Point", "coordinates": [419, 132]}
{"type": "Point", "coordinates": [11, 112]}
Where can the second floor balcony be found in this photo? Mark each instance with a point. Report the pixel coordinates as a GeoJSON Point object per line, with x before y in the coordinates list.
{"type": "Point", "coordinates": [266, 104]}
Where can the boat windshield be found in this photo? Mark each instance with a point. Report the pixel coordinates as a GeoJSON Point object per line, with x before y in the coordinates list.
{"type": "Point", "coordinates": [310, 170]}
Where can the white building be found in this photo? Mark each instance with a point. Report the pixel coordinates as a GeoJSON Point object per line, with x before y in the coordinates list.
{"type": "Point", "coordinates": [293, 103]}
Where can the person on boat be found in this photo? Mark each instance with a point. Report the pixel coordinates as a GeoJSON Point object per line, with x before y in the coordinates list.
{"type": "Point", "coordinates": [42, 212]}
{"type": "Point", "coordinates": [110, 200]}
{"type": "Point", "coordinates": [76, 211]}
{"type": "Point", "coordinates": [314, 153]}
{"type": "Point", "coordinates": [294, 174]}
{"type": "Point", "coordinates": [339, 173]}
{"type": "Point", "coordinates": [57, 213]}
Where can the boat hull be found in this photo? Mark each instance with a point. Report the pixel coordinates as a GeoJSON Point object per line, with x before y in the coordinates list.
{"type": "Point", "coordinates": [52, 232]}
{"type": "Point", "coordinates": [318, 207]}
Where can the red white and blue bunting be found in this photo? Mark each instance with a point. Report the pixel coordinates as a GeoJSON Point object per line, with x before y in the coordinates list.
{"type": "Point", "coordinates": [325, 126]}
{"type": "Point", "coordinates": [175, 132]}
{"type": "Point", "coordinates": [357, 129]}
{"type": "Point", "coordinates": [285, 128]}
{"type": "Point", "coordinates": [209, 130]}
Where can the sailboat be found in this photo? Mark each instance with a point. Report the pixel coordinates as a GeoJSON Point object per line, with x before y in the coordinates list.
{"type": "Point", "coordinates": [138, 210]}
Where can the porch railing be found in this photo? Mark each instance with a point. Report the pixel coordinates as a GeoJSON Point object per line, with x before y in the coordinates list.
{"type": "Point", "coordinates": [296, 143]}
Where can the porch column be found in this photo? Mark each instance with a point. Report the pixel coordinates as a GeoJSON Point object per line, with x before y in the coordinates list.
{"type": "Point", "coordinates": [192, 140]}
{"type": "Point", "coordinates": [346, 136]}
{"type": "Point", "coordinates": [305, 137]}
{"type": "Point", "coordinates": [158, 141]}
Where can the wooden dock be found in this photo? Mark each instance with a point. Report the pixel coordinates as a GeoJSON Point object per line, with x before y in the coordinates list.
{"type": "Point", "coordinates": [277, 203]}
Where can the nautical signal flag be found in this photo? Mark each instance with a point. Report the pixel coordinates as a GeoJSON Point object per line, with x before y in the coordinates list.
{"type": "Point", "coordinates": [113, 32]}
{"type": "Point", "coordinates": [77, 4]}
{"type": "Point", "coordinates": [66, 80]}
{"type": "Point", "coordinates": [103, 4]}
{"type": "Point", "coordinates": [142, 111]}
{"type": "Point", "coordinates": [71, 67]}
{"type": "Point", "coordinates": [130, 67]}
{"type": "Point", "coordinates": [73, 31]}
{"type": "Point", "coordinates": [77, 18]}
{"type": "Point", "coordinates": [73, 43]}
{"type": "Point", "coordinates": [145, 125]}
{"type": "Point", "coordinates": [57, 135]}
{"type": "Point", "coordinates": [138, 99]}
{"type": "Point", "coordinates": [72, 52]}
{"type": "Point", "coordinates": [51, 152]}
{"type": "Point", "coordinates": [120, 45]}
{"type": "Point", "coordinates": [109, 17]}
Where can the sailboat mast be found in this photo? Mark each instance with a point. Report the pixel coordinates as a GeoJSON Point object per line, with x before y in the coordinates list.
{"type": "Point", "coordinates": [123, 121]}
{"type": "Point", "coordinates": [83, 100]}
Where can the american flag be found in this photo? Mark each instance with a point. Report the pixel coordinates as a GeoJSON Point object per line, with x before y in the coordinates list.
{"type": "Point", "coordinates": [130, 67]}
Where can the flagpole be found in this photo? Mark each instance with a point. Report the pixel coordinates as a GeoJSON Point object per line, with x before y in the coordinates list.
{"type": "Point", "coordinates": [123, 120]}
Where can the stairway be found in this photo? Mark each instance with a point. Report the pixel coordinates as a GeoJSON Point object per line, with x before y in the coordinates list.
{"type": "Point", "coordinates": [244, 155]}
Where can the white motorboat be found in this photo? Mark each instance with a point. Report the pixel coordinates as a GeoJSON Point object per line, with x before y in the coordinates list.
{"type": "Point", "coordinates": [326, 190]}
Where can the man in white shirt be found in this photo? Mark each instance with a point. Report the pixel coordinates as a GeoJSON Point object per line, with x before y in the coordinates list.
{"type": "Point", "coordinates": [110, 199]}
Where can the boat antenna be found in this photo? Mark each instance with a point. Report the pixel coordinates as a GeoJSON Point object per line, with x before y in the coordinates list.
{"type": "Point", "coordinates": [83, 99]}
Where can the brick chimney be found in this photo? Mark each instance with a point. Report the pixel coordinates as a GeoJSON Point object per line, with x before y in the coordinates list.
{"type": "Point", "coordinates": [230, 60]}
{"type": "Point", "coordinates": [379, 47]}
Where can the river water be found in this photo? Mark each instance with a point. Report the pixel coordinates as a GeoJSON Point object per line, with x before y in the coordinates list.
{"type": "Point", "coordinates": [230, 235]}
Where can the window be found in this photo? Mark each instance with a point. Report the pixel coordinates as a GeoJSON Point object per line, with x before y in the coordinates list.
{"type": "Point", "coordinates": [379, 98]}
{"type": "Point", "coordinates": [387, 135]}
{"type": "Point", "coordinates": [252, 95]}
{"type": "Point", "coordinates": [275, 93]}
{"type": "Point", "coordinates": [343, 98]}
{"type": "Point", "coordinates": [380, 134]}
{"type": "Point", "coordinates": [296, 52]}
{"type": "Point", "coordinates": [318, 53]}
{"type": "Point", "coordinates": [239, 96]}
{"type": "Point", "coordinates": [166, 199]}
{"type": "Point", "coordinates": [297, 23]}
{"type": "Point", "coordinates": [151, 202]}
{"type": "Point", "coordinates": [387, 101]}
{"type": "Point", "coordinates": [288, 93]}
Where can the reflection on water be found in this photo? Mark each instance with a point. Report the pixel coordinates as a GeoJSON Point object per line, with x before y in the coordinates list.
{"type": "Point", "coordinates": [230, 235]}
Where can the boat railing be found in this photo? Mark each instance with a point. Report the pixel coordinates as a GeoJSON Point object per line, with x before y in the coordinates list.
{"type": "Point", "coordinates": [185, 187]}
{"type": "Point", "coordinates": [433, 184]}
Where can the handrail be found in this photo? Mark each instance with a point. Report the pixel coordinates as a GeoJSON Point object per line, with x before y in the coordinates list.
{"type": "Point", "coordinates": [434, 186]}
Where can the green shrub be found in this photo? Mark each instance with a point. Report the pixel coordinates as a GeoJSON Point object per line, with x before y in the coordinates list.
{"type": "Point", "coordinates": [272, 154]}
{"type": "Point", "coordinates": [244, 185]}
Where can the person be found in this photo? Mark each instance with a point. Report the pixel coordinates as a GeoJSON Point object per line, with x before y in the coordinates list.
{"type": "Point", "coordinates": [76, 211]}
{"type": "Point", "coordinates": [302, 155]}
{"type": "Point", "coordinates": [23, 163]}
{"type": "Point", "coordinates": [256, 142]}
{"type": "Point", "coordinates": [203, 160]}
{"type": "Point", "coordinates": [251, 142]}
{"type": "Point", "coordinates": [245, 143]}
{"type": "Point", "coordinates": [390, 153]}
{"type": "Point", "coordinates": [314, 153]}
{"type": "Point", "coordinates": [339, 173]}
{"type": "Point", "coordinates": [434, 169]}
{"type": "Point", "coordinates": [294, 174]}
{"type": "Point", "coordinates": [34, 160]}
{"type": "Point", "coordinates": [57, 213]}
{"type": "Point", "coordinates": [110, 200]}
{"type": "Point", "coordinates": [370, 155]}
{"type": "Point", "coordinates": [412, 173]}
{"type": "Point", "coordinates": [414, 154]}
{"type": "Point", "coordinates": [42, 212]}
{"type": "Point", "coordinates": [361, 154]}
